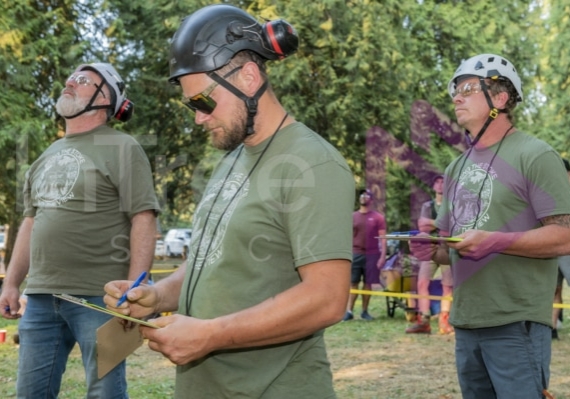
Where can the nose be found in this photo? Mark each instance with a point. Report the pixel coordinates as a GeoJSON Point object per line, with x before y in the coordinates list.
{"type": "Point", "coordinates": [457, 98]}
{"type": "Point", "coordinates": [200, 117]}
{"type": "Point", "coordinates": [70, 82]}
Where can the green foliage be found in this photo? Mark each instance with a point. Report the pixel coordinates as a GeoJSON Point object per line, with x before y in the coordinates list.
{"type": "Point", "coordinates": [554, 79]}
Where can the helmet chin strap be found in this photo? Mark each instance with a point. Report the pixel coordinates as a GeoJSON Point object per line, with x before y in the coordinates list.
{"type": "Point", "coordinates": [90, 106]}
{"type": "Point", "coordinates": [493, 113]}
{"type": "Point", "coordinates": [250, 102]}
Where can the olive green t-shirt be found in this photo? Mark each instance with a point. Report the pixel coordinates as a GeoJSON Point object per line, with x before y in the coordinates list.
{"type": "Point", "coordinates": [508, 191]}
{"type": "Point", "coordinates": [263, 215]}
{"type": "Point", "coordinates": [82, 193]}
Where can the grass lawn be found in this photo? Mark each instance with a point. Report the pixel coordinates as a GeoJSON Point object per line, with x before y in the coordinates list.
{"type": "Point", "coordinates": [370, 360]}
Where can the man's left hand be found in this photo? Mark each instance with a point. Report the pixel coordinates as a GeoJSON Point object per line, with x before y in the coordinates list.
{"type": "Point", "coordinates": [477, 244]}
{"type": "Point", "coordinates": [381, 262]}
{"type": "Point", "coordinates": [181, 339]}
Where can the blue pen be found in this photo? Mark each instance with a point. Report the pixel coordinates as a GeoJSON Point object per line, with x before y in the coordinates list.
{"type": "Point", "coordinates": [137, 282]}
{"type": "Point", "coordinates": [406, 233]}
{"type": "Point", "coordinates": [7, 308]}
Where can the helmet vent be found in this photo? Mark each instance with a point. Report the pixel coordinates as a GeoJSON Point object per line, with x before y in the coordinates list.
{"type": "Point", "coordinates": [235, 31]}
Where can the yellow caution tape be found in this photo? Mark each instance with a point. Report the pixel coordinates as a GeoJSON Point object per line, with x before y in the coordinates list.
{"type": "Point", "coordinates": [432, 297]}
{"type": "Point", "coordinates": [378, 293]}
{"type": "Point", "coordinates": [158, 271]}
{"type": "Point", "coordinates": [401, 295]}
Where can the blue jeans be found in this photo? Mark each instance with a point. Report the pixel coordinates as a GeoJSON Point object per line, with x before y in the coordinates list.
{"type": "Point", "coordinates": [505, 362]}
{"type": "Point", "coordinates": [49, 330]}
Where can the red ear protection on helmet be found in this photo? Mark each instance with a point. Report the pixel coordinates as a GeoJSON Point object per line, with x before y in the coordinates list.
{"type": "Point", "coordinates": [281, 37]}
{"type": "Point", "coordinates": [125, 111]}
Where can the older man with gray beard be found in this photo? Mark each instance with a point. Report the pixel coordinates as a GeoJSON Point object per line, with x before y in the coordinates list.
{"type": "Point", "coordinates": [89, 217]}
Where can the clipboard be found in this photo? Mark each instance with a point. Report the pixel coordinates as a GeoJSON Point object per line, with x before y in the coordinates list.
{"type": "Point", "coordinates": [84, 302]}
{"type": "Point", "coordinates": [114, 344]}
{"type": "Point", "coordinates": [408, 237]}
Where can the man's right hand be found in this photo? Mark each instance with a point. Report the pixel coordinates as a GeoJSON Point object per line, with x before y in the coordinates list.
{"type": "Point", "coordinates": [423, 250]}
{"type": "Point", "coordinates": [426, 225]}
{"type": "Point", "coordinates": [9, 303]}
{"type": "Point", "coordinates": [141, 301]}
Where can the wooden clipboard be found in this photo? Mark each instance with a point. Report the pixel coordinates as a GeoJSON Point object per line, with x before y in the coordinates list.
{"type": "Point", "coordinates": [114, 344]}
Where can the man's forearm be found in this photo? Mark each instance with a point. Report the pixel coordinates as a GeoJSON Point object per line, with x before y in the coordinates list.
{"type": "Point", "coordinates": [20, 261]}
{"type": "Point", "coordinates": [168, 289]}
{"type": "Point", "coordinates": [143, 241]}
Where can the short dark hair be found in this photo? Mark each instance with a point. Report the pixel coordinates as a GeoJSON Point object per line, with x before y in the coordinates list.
{"type": "Point", "coordinates": [436, 178]}
{"type": "Point", "coordinates": [243, 57]}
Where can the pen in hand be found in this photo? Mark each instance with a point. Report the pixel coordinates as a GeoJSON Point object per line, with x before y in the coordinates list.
{"type": "Point", "coordinates": [137, 282]}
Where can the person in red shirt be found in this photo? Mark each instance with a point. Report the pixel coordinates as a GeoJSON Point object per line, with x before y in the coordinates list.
{"type": "Point", "coordinates": [368, 252]}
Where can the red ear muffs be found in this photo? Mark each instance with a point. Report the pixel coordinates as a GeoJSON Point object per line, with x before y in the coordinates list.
{"type": "Point", "coordinates": [281, 37]}
{"type": "Point", "coordinates": [126, 111]}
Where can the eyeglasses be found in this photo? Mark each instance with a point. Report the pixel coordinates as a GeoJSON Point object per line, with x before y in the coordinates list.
{"type": "Point", "coordinates": [202, 101]}
{"type": "Point", "coordinates": [467, 89]}
{"type": "Point", "coordinates": [81, 80]}
{"type": "Point", "coordinates": [84, 80]}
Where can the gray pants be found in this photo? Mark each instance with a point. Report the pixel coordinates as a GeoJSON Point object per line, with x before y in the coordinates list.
{"type": "Point", "coordinates": [505, 362]}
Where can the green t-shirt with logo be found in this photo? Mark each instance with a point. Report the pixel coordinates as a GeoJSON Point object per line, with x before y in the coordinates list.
{"type": "Point", "coordinates": [82, 193]}
{"type": "Point", "coordinates": [508, 191]}
{"type": "Point", "coordinates": [263, 215]}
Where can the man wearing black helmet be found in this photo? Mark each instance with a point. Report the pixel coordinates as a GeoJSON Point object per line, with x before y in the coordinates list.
{"type": "Point", "coordinates": [269, 263]}
{"type": "Point", "coordinates": [89, 217]}
{"type": "Point", "coordinates": [507, 199]}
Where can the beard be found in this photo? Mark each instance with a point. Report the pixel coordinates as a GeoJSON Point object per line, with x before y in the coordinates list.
{"type": "Point", "coordinates": [365, 202]}
{"type": "Point", "coordinates": [69, 105]}
{"type": "Point", "coordinates": [235, 134]}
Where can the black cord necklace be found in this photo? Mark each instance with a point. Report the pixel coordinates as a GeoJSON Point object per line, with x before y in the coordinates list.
{"type": "Point", "coordinates": [190, 295]}
{"type": "Point", "coordinates": [453, 201]}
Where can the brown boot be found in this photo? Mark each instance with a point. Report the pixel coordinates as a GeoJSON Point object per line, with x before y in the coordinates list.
{"type": "Point", "coordinates": [444, 326]}
{"type": "Point", "coordinates": [421, 326]}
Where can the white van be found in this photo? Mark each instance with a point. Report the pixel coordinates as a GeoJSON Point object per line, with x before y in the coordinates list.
{"type": "Point", "coordinates": [177, 242]}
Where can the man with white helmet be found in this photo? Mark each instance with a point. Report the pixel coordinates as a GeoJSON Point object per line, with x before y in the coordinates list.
{"type": "Point", "coordinates": [507, 198]}
{"type": "Point", "coordinates": [89, 217]}
{"type": "Point", "coordinates": [269, 263]}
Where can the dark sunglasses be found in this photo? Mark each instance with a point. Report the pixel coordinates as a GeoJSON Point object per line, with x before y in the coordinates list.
{"type": "Point", "coordinates": [202, 101]}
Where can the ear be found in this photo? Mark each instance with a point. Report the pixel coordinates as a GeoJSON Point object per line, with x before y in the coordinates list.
{"type": "Point", "coordinates": [500, 100]}
{"type": "Point", "coordinates": [104, 97]}
{"type": "Point", "coordinates": [251, 78]}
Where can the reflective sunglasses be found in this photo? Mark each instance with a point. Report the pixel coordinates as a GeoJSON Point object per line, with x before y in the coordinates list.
{"type": "Point", "coordinates": [202, 101]}
{"type": "Point", "coordinates": [467, 89]}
